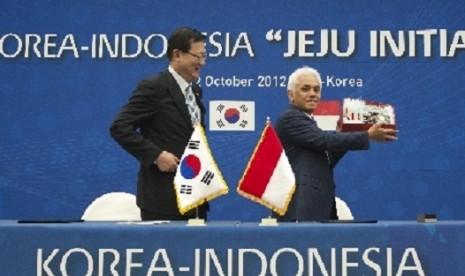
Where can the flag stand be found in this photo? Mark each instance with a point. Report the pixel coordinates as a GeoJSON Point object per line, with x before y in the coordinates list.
{"type": "Point", "coordinates": [196, 221]}
{"type": "Point", "coordinates": [269, 221]}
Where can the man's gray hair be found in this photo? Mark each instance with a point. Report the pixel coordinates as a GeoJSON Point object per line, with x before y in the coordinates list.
{"type": "Point", "coordinates": [305, 70]}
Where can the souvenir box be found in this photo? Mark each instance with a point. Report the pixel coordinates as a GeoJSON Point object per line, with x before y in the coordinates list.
{"type": "Point", "coordinates": [358, 114]}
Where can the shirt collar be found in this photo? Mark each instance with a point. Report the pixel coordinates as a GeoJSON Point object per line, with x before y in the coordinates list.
{"type": "Point", "coordinates": [183, 84]}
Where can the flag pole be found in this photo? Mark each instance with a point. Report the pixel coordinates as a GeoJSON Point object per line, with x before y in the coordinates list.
{"type": "Point", "coordinates": [269, 221]}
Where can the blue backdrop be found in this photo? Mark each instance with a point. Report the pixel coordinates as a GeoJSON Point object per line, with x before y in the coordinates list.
{"type": "Point", "coordinates": [67, 67]}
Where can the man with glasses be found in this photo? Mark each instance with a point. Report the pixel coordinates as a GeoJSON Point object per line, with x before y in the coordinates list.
{"type": "Point", "coordinates": [156, 124]}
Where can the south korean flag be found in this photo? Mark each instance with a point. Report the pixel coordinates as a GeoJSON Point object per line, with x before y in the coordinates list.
{"type": "Point", "coordinates": [198, 178]}
{"type": "Point", "coordinates": [232, 115]}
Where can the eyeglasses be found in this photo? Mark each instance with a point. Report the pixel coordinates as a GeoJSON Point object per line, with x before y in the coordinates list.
{"type": "Point", "coordinates": [199, 57]}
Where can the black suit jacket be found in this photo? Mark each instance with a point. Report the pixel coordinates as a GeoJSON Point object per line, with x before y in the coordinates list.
{"type": "Point", "coordinates": [313, 153]}
{"type": "Point", "coordinates": [155, 119]}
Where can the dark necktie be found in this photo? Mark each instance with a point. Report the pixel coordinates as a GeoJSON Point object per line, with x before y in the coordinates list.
{"type": "Point", "coordinates": [326, 152]}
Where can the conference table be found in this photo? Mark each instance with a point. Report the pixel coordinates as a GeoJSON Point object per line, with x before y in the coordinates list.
{"type": "Point", "coordinates": [232, 248]}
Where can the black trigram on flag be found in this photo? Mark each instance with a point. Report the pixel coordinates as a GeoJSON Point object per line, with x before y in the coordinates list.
{"type": "Point", "coordinates": [207, 177]}
{"type": "Point", "coordinates": [220, 107]}
{"type": "Point", "coordinates": [186, 189]}
{"type": "Point", "coordinates": [220, 123]}
{"type": "Point", "coordinates": [193, 144]}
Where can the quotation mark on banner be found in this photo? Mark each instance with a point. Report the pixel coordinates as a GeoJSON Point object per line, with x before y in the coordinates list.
{"type": "Point", "coordinates": [271, 35]}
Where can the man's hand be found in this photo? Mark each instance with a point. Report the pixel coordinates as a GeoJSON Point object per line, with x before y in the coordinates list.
{"type": "Point", "coordinates": [379, 134]}
{"type": "Point", "coordinates": [167, 162]}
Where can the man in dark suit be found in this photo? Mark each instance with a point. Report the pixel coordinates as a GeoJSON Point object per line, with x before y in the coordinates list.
{"type": "Point", "coordinates": [157, 122]}
{"type": "Point", "coordinates": [312, 152]}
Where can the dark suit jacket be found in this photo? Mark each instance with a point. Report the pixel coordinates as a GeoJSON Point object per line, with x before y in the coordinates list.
{"type": "Point", "coordinates": [156, 119]}
{"type": "Point", "coordinates": [313, 153]}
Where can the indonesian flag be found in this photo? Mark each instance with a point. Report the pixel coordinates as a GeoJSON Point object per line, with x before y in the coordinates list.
{"type": "Point", "coordinates": [326, 114]}
{"type": "Point", "coordinates": [198, 178]}
{"type": "Point", "coordinates": [268, 178]}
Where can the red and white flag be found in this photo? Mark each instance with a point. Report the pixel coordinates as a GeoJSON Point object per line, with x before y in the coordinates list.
{"type": "Point", "coordinates": [268, 178]}
{"type": "Point", "coordinates": [327, 114]}
{"type": "Point", "coordinates": [197, 178]}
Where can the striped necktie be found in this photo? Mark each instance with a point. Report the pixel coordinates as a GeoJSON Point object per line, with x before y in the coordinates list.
{"type": "Point", "coordinates": [192, 105]}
